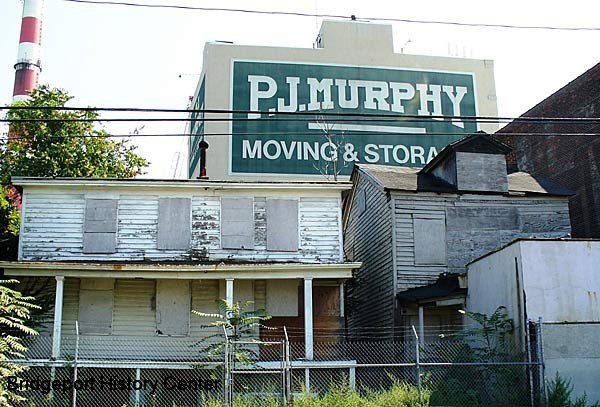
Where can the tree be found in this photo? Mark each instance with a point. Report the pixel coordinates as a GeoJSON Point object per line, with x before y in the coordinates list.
{"type": "Point", "coordinates": [61, 148]}
{"type": "Point", "coordinates": [63, 143]}
{"type": "Point", "coordinates": [240, 323]}
{"type": "Point", "coordinates": [15, 312]}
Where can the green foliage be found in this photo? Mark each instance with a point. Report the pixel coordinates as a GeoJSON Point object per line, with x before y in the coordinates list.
{"type": "Point", "coordinates": [48, 148]}
{"type": "Point", "coordinates": [399, 395]}
{"type": "Point", "coordinates": [489, 339]}
{"type": "Point", "coordinates": [559, 394]}
{"type": "Point", "coordinates": [492, 336]}
{"type": "Point", "coordinates": [14, 313]}
{"type": "Point", "coordinates": [59, 145]}
{"type": "Point", "coordinates": [9, 214]}
{"type": "Point", "coordinates": [240, 322]}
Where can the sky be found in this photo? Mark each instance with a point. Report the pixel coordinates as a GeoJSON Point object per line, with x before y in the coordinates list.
{"type": "Point", "coordinates": [118, 56]}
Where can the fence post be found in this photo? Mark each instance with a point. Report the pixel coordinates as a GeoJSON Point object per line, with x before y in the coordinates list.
{"type": "Point", "coordinates": [74, 400]}
{"type": "Point", "coordinates": [417, 361]}
{"type": "Point", "coordinates": [227, 390]}
{"type": "Point", "coordinates": [288, 370]}
{"type": "Point", "coordinates": [530, 365]}
{"type": "Point", "coordinates": [542, 365]}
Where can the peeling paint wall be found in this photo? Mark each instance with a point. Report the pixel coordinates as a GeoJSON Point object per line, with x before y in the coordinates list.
{"type": "Point", "coordinates": [53, 227]}
{"type": "Point", "coordinates": [475, 225]}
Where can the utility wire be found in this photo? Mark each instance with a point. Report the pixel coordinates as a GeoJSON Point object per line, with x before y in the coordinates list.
{"type": "Point", "coordinates": [301, 116]}
{"type": "Point", "coordinates": [188, 135]}
{"type": "Point", "coordinates": [341, 16]}
{"type": "Point", "coordinates": [405, 120]}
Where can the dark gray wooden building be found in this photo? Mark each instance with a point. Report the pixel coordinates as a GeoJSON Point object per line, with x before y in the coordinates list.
{"type": "Point", "coordinates": [408, 226]}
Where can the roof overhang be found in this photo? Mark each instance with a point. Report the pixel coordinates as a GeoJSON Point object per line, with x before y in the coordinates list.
{"type": "Point", "coordinates": [250, 271]}
{"type": "Point", "coordinates": [161, 183]}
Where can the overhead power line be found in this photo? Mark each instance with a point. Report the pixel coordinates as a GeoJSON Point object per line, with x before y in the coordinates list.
{"type": "Point", "coordinates": [286, 116]}
{"type": "Point", "coordinates": [341, 16]}
{"type": "Point", "coordinates": [225, 134]}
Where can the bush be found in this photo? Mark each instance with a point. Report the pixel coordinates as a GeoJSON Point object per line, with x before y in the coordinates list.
{"type": "Point", "coordinates": [559, 394]}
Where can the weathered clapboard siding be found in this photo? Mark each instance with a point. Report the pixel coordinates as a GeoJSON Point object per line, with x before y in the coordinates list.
{"type": "Point", "coordinates": [52, 225]}
{"type": "Point", "coordinates": [54, 222]}
{"type": "Point", "coordinates": [134, 307]}
{"type": "Point", "coordinates": [204, 296]}
{"type": "Point", "coordinates": [70, 305]}
{"type": "Point", "coordinates": [368, 238]}
{"type": "Point", "coordinates": [475, 225]}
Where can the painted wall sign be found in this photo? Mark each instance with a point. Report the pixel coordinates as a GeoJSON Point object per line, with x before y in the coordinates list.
{"type": "Point", "coordinates": [309, 144]}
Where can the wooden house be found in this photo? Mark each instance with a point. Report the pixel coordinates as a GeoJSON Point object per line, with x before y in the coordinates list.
{"type": "Point", "coordinates": [130, 259]}
{"type": "Point", "coordinates": [409, 226]}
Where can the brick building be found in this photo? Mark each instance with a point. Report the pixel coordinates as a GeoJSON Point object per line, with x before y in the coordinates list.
{"type": "Point", "coordinates": [571, 161]}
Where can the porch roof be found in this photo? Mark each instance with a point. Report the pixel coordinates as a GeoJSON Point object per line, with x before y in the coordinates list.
{"type": "Point", "coordinates": [185, 271]}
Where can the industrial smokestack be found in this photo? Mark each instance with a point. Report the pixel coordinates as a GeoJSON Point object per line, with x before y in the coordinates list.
{"type": "Point", "coordinates": [28, 66]}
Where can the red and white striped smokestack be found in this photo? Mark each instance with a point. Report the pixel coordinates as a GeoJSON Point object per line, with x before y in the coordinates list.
{"type": "Point", "coordinates": [28, 66]}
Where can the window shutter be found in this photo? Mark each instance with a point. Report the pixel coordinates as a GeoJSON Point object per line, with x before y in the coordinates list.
{"type": "Point", "coordinates": [100, 226]}
{"type": "Point", "coordinates": [174, 223]}
{"type": "Point", "coordinates": [282, 225]}
{"type": "Point", "coordinates": [237, 223]}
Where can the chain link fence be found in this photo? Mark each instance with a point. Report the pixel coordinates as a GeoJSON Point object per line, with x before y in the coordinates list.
{"type": "Point", "coordinates": [221, 371]}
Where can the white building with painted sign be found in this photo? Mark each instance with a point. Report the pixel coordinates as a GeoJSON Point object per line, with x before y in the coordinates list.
{"type": "Point", "coordinates": [298, 113]}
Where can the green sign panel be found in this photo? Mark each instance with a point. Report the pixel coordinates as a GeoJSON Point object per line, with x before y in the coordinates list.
{"type": "Point", "coordinates": [309, 141]}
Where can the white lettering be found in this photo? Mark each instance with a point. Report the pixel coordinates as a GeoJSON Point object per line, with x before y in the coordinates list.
{"type": "Point", "coordinates": [400, 92]}
{"type": "Point", "coordinates": [287, 152]}
{"type": "Point", "coordinates": [251, 153]}
{"type": "Point", "coordinates": [404, 150]}
{"type": "Point", "coordinates": [256, 94]}
{"type": "Point", "coordinates": [266, 152]}
{"type": "Point", "coordinates": [434, 96]}
{"type": "Point", "coordinates": [386, 152]}
{"type": "Point", "coordinates": [372, 156]}
{"type": "Point", "coordinates": [293, 82]}
{"type": "Point", "coordinates": [316, 87]}
{"type": "Point", "coordinates": [342, 101]}
{"type": "Point", "coordinates": [332, 155]}
{"type": "Point", "coordinates": [432, 153]}
{"type": "Point", "coordinates": [461, 91]}
{"type": "Point", "coordinates": [375, 94]}
{"type": "Point", "coordinates": [314, 152]}
{"type": "Point", "coordinates": [417, 152]}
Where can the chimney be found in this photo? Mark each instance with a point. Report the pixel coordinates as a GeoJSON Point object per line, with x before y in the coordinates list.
{"type": "Point", "coordinates": [28, 66]}
{"type": "Point", "coordinates": [203, 147]}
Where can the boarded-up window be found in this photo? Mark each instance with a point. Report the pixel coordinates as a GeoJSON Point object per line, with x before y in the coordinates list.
{"type": "Point", "coordinates": [96, 297]}
{"type": "Point", "coordinates": [173, 304]}
{"type": "Point", "coordinates": [100, 226]}
{"type": "Point", "coordinates": [282, 225]}
{"type": "Point", "coordinates": [237, 223]}
{"type": "Point", "coordinates": [430, 241]}
{"type": "Point", "coordinates": [282, 298]}
{"type": "Point", "coordinates": [174, 223]}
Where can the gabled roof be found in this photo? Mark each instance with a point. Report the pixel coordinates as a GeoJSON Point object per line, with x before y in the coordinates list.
{"type": "Point", "coordinates": [413, 180]}
{"type": "Point", "coordinates": [479, 142]}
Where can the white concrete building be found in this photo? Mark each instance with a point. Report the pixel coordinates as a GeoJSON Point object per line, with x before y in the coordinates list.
{"type": "Point", "coordinates": [557, 280]}
{"type": "Point", "coordinates": [287, 104]}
